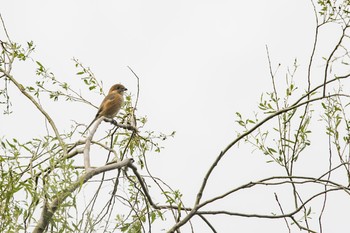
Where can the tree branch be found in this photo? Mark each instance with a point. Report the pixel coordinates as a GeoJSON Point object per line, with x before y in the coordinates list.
{"type": "Point", "coordinates": [37, 105]}
{"type": "Point", "coordinates": [88, 143]}
{"type": "Point", "coordinates": [223, 152]}
{"type": "Point", "coordinates": [50, 208]}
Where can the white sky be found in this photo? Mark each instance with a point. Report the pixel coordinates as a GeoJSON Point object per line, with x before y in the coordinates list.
{"type": "Point", "coordinates": [199, 62]}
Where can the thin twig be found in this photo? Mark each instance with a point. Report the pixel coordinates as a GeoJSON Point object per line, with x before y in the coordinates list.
{"type": "Point", "coordinates": [280, 206]}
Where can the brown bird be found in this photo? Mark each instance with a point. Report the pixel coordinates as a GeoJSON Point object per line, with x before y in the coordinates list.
{"type": "Point", "coordinates": [111, 104]}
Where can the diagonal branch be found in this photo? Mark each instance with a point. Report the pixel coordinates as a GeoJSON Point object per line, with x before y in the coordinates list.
{"type": "Point", "coordinates": [50, 208]}
{"type": "Point", "coordinates": [331, 56]}
{"type": "Point", "coordinates": [228, 147]}
{"type": "Point", "coordinates": [37, 105]}
{"type": "Point", "coordinates": [224, 151]}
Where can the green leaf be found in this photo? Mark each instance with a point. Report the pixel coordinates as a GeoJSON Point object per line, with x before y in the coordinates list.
{"type": "Point", "coordinates": [250, 121]}
{"type": "Point", "coordinates": [39, 64]}
{"type": "Point", "coordinates": [271, 150]}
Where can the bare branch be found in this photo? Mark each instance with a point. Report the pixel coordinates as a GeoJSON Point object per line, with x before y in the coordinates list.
{"type": "Point", "coordinates": [138, 87]}
{"type": "Point", "coordinates": [280, 206]}
{"type": "Point", "coordinates": [330, 57]}
{"type": "Point", "coordinates": [207, 222]}
{"type": "Point", "coordinates": [4, 26]}
{"type": "Point", "coordinates": [88, 143]}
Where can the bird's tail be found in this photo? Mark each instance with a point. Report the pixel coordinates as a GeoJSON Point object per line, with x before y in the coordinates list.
{"type": "Point", "coordinates": [90, 125]}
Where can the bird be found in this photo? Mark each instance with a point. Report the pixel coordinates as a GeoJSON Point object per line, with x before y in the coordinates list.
{"type": "Point", "coordinates": [111, 104]}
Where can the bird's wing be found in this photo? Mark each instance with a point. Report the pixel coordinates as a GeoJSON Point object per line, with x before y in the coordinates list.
{"type": "Point", "coordinates": [105, 103]}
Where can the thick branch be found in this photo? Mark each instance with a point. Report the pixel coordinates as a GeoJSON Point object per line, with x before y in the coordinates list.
{"type": "Point", "coordinates": [88, 143]}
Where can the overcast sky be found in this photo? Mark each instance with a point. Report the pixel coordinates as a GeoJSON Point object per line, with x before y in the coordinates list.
{"type": "Point", "coordinates": [199, 62]}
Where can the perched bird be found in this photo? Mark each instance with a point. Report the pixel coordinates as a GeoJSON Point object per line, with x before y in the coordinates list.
{"type": "Point", "coordinates": [111, 104]}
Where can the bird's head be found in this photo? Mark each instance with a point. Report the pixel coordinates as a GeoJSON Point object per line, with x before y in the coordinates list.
{"type": "Point", "coordinates": [119, 88]}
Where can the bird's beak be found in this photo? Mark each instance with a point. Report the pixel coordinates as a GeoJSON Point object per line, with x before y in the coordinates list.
{"type": "Point", "coordinates": [125, 89]}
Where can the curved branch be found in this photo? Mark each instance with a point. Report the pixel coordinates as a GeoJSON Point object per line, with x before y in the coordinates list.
{"type": "Point", "coordinates": [88, 143]}
{"type": "Point", "coordinates": [228, 147]}
{"type": "Point", "coordinates": [50, 208]}
{"type": "Point", "coordinates": [268, 216]}
{"type": "Point", "coordinates": [223, 152]}
{"type": "Point", "coordinates": [330, 57]}
{"type": "Point", "coordinates": [286, 180]}
{"type": "Point", "coordinates": [37, 105]}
